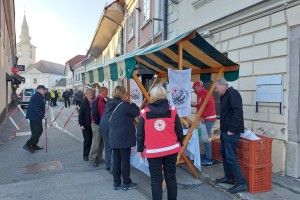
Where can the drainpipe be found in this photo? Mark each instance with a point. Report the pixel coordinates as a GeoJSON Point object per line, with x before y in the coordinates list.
{"type": "Point", "coordinates": [164, 18]}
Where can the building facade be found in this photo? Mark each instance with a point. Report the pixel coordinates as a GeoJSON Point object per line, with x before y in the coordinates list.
{"type": "Point", "coordinates": [73, 76]}
{"type": "Point", "coordinates": [263, 37]}
{"type": "Point", "coordinates": [44, 73]}
{"type": "Point", "coordinates": [7, 54]}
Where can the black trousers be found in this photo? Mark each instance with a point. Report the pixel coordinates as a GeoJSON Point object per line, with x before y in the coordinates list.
{"type": "Point", "coordinates": [121, 165]}
{"type": "Point", "coordinates": [228, 151]}
{"type": "Point", "coordinates": [87, 141]}
{"type": "Point", "coordinates": [169, 167]}
{"type": "Point", "coordinates": [67, 103]}
{"type": "Point", "coordinates": [77, 103]}
{"type": "Point", "coordinates": [36, 127]}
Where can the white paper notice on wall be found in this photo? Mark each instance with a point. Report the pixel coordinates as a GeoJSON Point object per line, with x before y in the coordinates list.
{"type": "Point", "coordinates": [269, 89]}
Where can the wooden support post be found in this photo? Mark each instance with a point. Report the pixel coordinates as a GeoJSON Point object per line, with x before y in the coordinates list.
{"type": "Point", "coordinates": [128, 89]}
{"type": "Point", "coordinates": [138, 82]}
{"type": "Point", "coordinates": [197, 117]}
{"type": "Point", "coordinates": [152, 86]}
{"type": "Point", "coordinates": [180, 54]}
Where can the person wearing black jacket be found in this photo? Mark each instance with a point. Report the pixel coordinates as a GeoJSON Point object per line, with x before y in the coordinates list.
{"type": "Point", "coordinates": [231, 125]}
{"type": "Point", "coordinates": [47, 97]}
{"type": "Point", "coordinates": [84, 119]}
{"type": "Point", "coordinates": [95, 156]}
{"type": "Point", "coordinates": [159, 139]}
{"type": "Point", "coordinates": [122, 136]}
{"type": "Point", "coordinates": [36, 114]}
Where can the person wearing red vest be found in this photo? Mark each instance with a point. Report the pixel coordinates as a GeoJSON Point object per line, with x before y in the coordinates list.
{"type": "Point", "coordinates": [159, 139]}
{"type": "Point", "coordinates": [208, 116]}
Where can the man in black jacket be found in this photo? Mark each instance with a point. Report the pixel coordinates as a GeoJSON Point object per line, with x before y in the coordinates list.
{"type": "Point", "coordinates": [36, 114]}
{"type": "Point", "coordinates": [231, 125]}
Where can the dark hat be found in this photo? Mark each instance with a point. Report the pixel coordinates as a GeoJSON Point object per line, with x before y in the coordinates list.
{"type": "Point", "coordinates": [41, 87]}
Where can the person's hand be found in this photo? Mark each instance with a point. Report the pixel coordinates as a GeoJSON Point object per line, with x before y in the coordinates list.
{"type": "Point", "coordinates": [141, 154]}
{"type": "Point", "coordinates": [229, 133]}
{"type": "Point", "coordinates": [194, 104]}
{"type": "Point", "coordinates": [82, 127]}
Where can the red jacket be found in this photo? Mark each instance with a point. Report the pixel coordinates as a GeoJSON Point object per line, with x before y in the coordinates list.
{"type": "Point", "coordinates": [209, 112]}
{"type": "Point", "coordinates": [160, 137]}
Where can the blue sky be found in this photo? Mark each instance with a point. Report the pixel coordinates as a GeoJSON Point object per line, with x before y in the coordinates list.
{"type": "Point", "coordinates": [60, 29]}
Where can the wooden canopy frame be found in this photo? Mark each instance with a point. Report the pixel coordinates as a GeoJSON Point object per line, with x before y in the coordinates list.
{"type": "Point", "coordinates": [182, 158]}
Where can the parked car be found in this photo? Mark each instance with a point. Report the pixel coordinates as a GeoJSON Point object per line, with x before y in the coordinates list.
{"type": "Point", "coordinates": [25, 96]}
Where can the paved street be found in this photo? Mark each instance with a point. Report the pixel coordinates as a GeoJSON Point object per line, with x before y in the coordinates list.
{"type": "Point", "coordinates": [61, 173]}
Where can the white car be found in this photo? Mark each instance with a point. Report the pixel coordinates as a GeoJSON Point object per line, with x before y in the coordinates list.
{"type": "Point", "coordinates": [26, 95]}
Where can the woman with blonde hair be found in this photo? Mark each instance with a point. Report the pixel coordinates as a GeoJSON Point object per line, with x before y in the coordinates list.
{"type": "Point", "coordinates": [159, 139]}
{"type": "Point", "coordinates": [121, 114]}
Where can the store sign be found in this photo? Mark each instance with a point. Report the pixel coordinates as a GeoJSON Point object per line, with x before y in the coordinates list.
{"type": "Point", "coordinates": [21, 67]}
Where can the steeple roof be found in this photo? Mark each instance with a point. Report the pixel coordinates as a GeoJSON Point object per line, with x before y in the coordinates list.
{"type": "Point", "coordinates": [25, 37]}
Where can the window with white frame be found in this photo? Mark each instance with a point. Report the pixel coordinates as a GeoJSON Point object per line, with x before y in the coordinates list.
{"type": "Point", "coordinates": [130, 25]}
{"type": "Point", "coordinates": [146, 10]}
{"type": "Point", "coordinates": [35, 81]}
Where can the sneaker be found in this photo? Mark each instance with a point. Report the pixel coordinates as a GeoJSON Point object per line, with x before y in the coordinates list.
{"type": "Point", "coordinates": [116, 186]}
{"type": "Point", "coordinates": [129, 186]}
{"type": "Point", "coordinates": [206, 161]}
{"type": "Point", "coordinates": [93, 164]}
{"type": "Point", "coordinates": [36, 147]}
{"type": "Point", "coordinates": [28, 148]}
{"type": "Point", "coordinates": [85, 158]}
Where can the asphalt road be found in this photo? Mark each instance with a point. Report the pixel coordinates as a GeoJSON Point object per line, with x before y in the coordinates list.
{"type": "Point", "coordinates": [61, 173]}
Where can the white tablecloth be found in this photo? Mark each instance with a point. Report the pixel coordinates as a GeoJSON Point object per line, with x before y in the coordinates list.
{"type": "Point", "coordinates": [193, 148]}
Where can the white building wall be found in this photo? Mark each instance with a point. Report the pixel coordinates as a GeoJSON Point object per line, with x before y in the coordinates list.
{"type": "Point", "coordinates": [261, 48]}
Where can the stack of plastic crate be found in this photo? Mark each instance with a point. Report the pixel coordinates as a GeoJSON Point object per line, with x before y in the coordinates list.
{"type": "Point", "coordinates": [255, 159]}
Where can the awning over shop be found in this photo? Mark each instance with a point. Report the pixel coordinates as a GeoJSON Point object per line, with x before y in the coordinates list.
{"type": "Point", "coordinates": [109, 22]}
{"type": "Point", "coordinates": [17, 79]}
{"type": "Point", "coordinates": [197, 54]}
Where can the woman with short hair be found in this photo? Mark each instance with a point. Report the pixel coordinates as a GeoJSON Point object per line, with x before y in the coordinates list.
{"type": "Point", "coordinates": [121, 114]}
{"type": "Point", "coordinates": [84, 119]}
{"type": "Point", "coordinates": [159, 139]}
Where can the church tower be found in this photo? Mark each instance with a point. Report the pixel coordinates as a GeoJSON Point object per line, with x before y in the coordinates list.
{"type": "Point", "coordinates": [25, 50]}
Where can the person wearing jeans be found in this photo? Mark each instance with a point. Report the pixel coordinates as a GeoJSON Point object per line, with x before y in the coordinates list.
{"type": "Point", "coordinates": [231, 125]}
{"type": "Point", "coordinates": [208, 117]}
{"type": "Point", "coordinates": [159, 139]}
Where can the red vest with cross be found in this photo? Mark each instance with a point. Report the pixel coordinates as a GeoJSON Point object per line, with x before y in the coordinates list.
{"type": "Point", "coordinates": [160, 136]}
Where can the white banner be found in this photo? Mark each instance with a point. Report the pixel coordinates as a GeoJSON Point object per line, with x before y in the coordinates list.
{"type": "Point", "coordinates": [136, 95]}
{"type": "Point", "coordinates": [137, 162]}
{"type": "Point", "coordinates": [180, 90]}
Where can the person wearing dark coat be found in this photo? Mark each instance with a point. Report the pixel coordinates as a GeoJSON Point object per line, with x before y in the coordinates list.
{"type": "Point", "coordinates": [47, 97]}
{"type": "Point", "coordinates": [84, 119]}
{"type": "Point", "coordinates": [56, 97]}
{"type": "Point", "coordinates": [122, 136]}
{"type": "Point", "coordinates": [66, 96]}
{"type": "Point", "coordinates": [231, 126]}
{"type": "Point", "coordinates": [159, 139]}
{"type": "Point", "coordinates": [36, 114]}
{"type": "Point", "coordinates": [104, 131]}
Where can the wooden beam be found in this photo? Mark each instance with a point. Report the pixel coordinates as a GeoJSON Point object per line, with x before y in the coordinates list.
{"type": "Point", "coordinates": [197, 117]}
{"type": "Point", "coordinates": [148, 65]}
{"type": "Point", "coordinates": [180, 55]}
{"type": "Point", "coordinates": [160, 61]}
{"type": "Point", "coordinates": [206, 71]}
{"type": "Point", "coordinates": [152, 86]}
{"type": "Point", "coordinates": [138, 82]}
{"type": "Point", "coordinates": [128, 89]}
{"type": "Point", "coordinates": [174, 57]}
{"type": "Point", "coordinates": [190, 165]}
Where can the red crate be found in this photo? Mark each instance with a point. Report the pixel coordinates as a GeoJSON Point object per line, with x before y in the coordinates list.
{"type": "Point", "coordinates": [216, 149]}
{"type": "Point", "coordinates": [255, 152]}
{"type": "Point", "coordinates": [259, 178]}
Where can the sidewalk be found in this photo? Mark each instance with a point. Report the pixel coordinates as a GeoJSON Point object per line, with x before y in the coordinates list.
{"type": "Point", "coordinates": [285, 188]}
